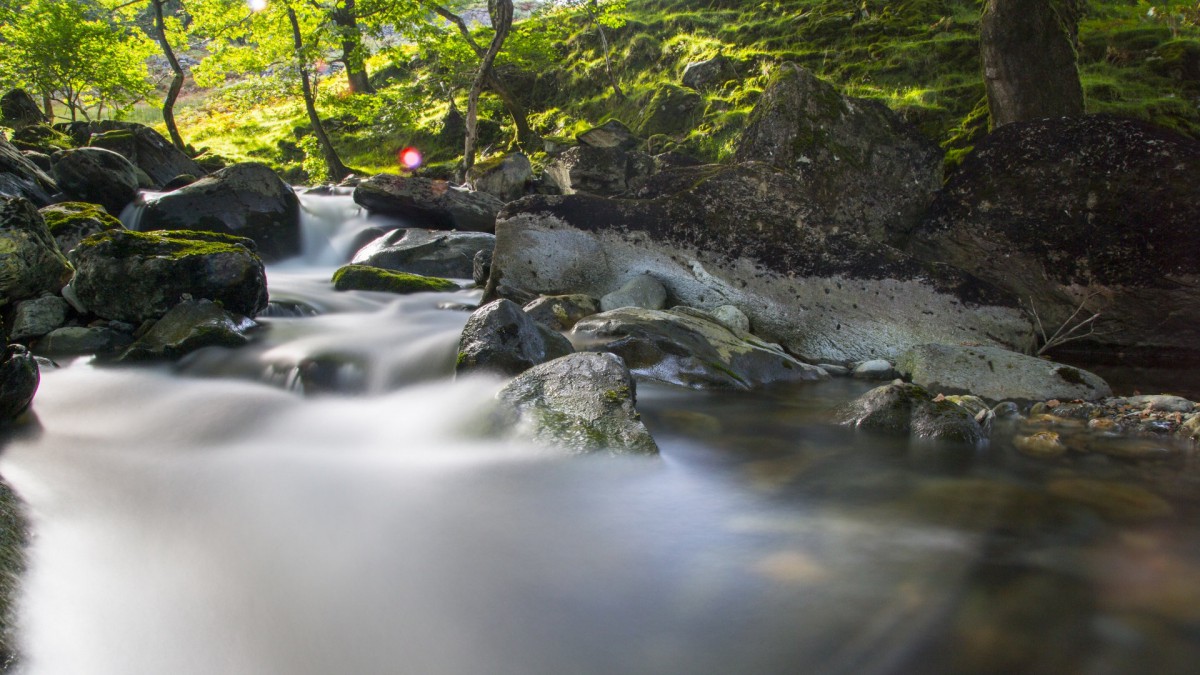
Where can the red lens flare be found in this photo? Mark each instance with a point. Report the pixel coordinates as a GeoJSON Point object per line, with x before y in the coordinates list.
{"type": "Point", "coordinates": [410, 158]}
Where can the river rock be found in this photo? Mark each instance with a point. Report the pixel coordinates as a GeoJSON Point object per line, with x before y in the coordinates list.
{"type": "Point", "coordinates": [147, 150]}
{"type": "Point", "coordinates": [1158, 403]}
{"type": "Point", "coordinates": [19, 379]}
{"type": "Point", "coordinates": [708, 74]}
{"type": "Point", "coordinates": [505, 178]}
{"type": "Point", "coordinates": [997, 374]}
{"type": "Point", "coordinates": [875, 369]}
{"type": "Point", "coordinates": [481, 265]}
{"type": "Point", "coordinates": [689, 348]}
{"type": "Point", "coordinates": [580, 403]}
{"type": "Point", "coordinates": [500, 338]}
{"type": "Point", "coordinates": [856, 160]}
{"type": "Point", "coordinates": [245, 200]}
{"type": "Point", "coordinates": [1028, 53]}
{"type": "Point", "coordinates": [745, 236]}
{"type": "Point", "coordinates": [367, 278]}
{"type": "Point", "coordinates": [641, 291]}
{"type": "Point", "coordinates": [81, 340]}
{"type": "Point", "coordinates": [30, 261]}
{"type": "Point", "coordinates": [426, 252]}
{"type": "Point", "coordinates": [34, 318]}
{"type": "Point", "coordinates": [904, 409]}
{"type": "Point", "coordinates": [70, 222]}
{"type": "Point", "coordinates": [611, 134]}
{"type": "Point", "coordinates": [1098, 212]}
{"type": "Point", "coordinates": [732, 318]}
{"type": "Point", "coordinates": [40, 160]}
{"type": "Point", "coordinates": [561, 312]}
{"type": "Point", "coordinates": [20, 177]}
{"type": "Point", "coordinates": [98, 176]}
{"type": "Point", "coordinates": [133, 276]}
{"type": "Point", "coordinates": [429, 203]}
{"type": "Point", "coordinates": [18, 110]}
{"type": "Point", "coordinates": [189, 326]}
{"type": "Point", "coordinates": [598, 171]}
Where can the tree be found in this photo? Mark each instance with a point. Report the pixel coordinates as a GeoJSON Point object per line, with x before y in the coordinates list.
{"type": "Point", "coordinates": [1029, 61]}
{"type": "Point", "coordinates": [164, 41]}
{"type": "Point", "coordinates": [501, 12]}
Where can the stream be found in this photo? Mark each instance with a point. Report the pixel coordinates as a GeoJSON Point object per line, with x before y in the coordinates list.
{"type": "Point", "coordinates": [322, 501]}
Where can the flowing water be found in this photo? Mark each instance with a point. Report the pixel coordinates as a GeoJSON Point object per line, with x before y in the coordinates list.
{"type": "Point", "coordinates": [321, 501]}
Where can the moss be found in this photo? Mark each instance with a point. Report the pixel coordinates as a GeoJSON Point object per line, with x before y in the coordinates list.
{"type": "Point", "coordinates": [1071, 375]}
{"type": "Point", "coordinates": [59, 217]}
{"type": "Point", "coordinates": [367, 278]}
{"type": "Point", "coordinates": [171, 244]}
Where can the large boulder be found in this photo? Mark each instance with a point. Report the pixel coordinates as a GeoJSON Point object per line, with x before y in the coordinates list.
{"type": "Point", "coordinates": [745, 236]}
{"type": "Point", "coordinates": [98, 176]}
{"type": "Point", "coordinates": [505, 178]}
{"type": "Point", "coordinates": [709, 73]}
{"type": "Point", "coordinates": [428, 203]}
{"type": "Point", "coordinates": [426, 252]}
{"type": "Point", "coordinates": [671, 110]}
{"type": "Point", "coordinates": [857, 161]}
{"type": "Point", "coordinates": [1094, 212]}
{"type": "Point", "coordinates": [611, 134]}
{"type": "Point", "coordinates": [580, 403]}
{"type": "Point", "coordinates": [188, 326]}
{"type": "Point", "coordinates": [561, 312]}
{"type": "Point", "coordinates": [30, 260]}
{"type": "Point", "coordinates": [71, 222]}
{"type": "Point", "coordinates": [133, 276]}
{"type": "Point", "coordinates": [1028, 53]}
{"type": "Point", "coordinates": [245, 200]}
{"type": "Point", "coordinates": [689, 348]}
{"type": "Point", "coordinates": [20, 177]}
{"type": "Point", "coordinates": [597, 170]}
{"type": "Point", "coordinates": [18, 110]}
{"type": "Point", "coordinates": [997, 374]}
{"type": "Point", "coordinates": [19, 378]}
{"type": "Point", "coordinates": [903, 409]}
{"type": "Point", "coordinates": [146, 149]}
{"type": "Point", "coordinates": [500, 338]}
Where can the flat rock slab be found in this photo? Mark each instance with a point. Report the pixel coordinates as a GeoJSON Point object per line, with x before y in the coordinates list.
{"type": "Point", "coordinates": [997, 374]}
{"type": "Point", "coordinates": [431, 203]}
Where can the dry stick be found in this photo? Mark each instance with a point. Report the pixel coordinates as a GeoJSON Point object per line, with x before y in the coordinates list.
{"type": "Point", "coordinates": [1060, 337]}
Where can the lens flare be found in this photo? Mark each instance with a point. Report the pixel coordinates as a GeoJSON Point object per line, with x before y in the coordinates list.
{"type": "Point", "coordinates": [257, 5]}
{"type": "Point", "coordinates": [410, 158]}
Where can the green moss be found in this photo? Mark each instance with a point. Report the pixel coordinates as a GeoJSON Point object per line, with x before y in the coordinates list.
{"type": "Point", "coordinates": [171, 244]}
{"type": "Point", "coordinates": [62, 216]}
{"type": "Point", "coordinates": [1071, 375]}
{"type": "Point", "coordinates": [367, 278]}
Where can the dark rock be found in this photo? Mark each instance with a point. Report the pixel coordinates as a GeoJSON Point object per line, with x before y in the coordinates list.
{"type": "Point", "coordinates": [182, 180]}
{"type": "Point", "coordinates": [671, 110]}
{"type": "Point", "coordinates": [708, 74]}
{"type": "Point", "coordinates": [611, 134]}
{"type": "Point", "coordinates": [19, 379]}
{"type": "Point", "coordinates": [20, 177]}
{"type": "Point", "coordinates": [1028, 55]}
{"type": "Point", "coordinates": [903, 409]}
{"type": "Point", "coordinates": [42, 138]}
{"type": "Point", "coordinates": [146, 149]}
{"type": "Point", "coordinates": [500, 338]}
{"type": "Point", "coordinates": [40, 160]}
{"type": "Point", "coordinates": [481, 265]}
{"type": "Point", "coordinates": [80, 340]}
{"type": "Point", "coordinates": [580, 403]}
{"type": "Point", "coordinates": [426, 252]}
{"type": "Point", "coordinates": [562, 312]}
{"type": "Point", "coordinates": [505, 178]}
{"type": "Point", "coordinates": [34, 318]}
{"type": "Point", "coordinates": [997, 374]}
{"type": "Point", "coordinates": [30, 261]}
{"type": "Point", "coordinates": [134, 276]}
{"type": "Point", "coordinates": [430, 203]}
{"type": "Point", "coordinates": [1098, 212]}
{"type": "Point", "coordinates": [189, 326]}
{"type": "Point", "coordinates": [598, 171]}
{"type": "Point", "coordinates": [18, 110]}
{"type": "Point", "coordinates": [71, 222]}
{"type": "Point", "coordinates": [367, 278]}
{"type": "Point", "coordinates": [98, 176]}
{"type": "Point", "coordinates": [861, 166]}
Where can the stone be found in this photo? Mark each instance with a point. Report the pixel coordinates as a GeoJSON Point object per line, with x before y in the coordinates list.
{"type": "Point", "coordinates": [246, 200]}
{"type": "Point", "coordinates": [426, 252]}
{"type": "Point", "coordinates": [580, 403]}
{"type": "Point", "coordinates": [689, 348]}
{"type": "Point", "coordinates": [98, 176]}
{"type": "Point", "coordinates": [34, 318]}
{"type": "Point", "coordinates": [428, 203]}
{"type": "Point", "coordinates": [40, 160]}
{"type": "Point", "coordinates": [1161, 403]}
{"type": "Point", "coordinates": [147, 150]}
{"type": "Point", "coordinates": [30, 261]}
{"type": "Point", "coordinates": [14, 537]}
{"type": "Point", "coordinates": [641, 291]}
{"type": "Point", "coordinates": [997, 374]}
{"type": "Point", "coordinates": [367, 278]}
{"type": "Point", "coordinates": [732, 318]}
{"type": "Point", "coordinates": [499, 338]}
{"type": "Point", "coordinates": [1028, 53]}
{"type": "Point", "coordinates": [71, 222]}
{"type": "Point", "coordinates": [903, 409]}
{"type": "Point", "coordinates": [42, 138]}
{"type": "Point", "coordinates": [188, 326]}
{"type": "Point", "coordinates": [20, 177]}
{"type": "Point", "coordinates": [481, 265]}
{"type": "Point", "coordinates": [18, 110]}
{"type": "Point", "coordinates": [708, 74]}
{"type": "Point", "coordinates": [611, 134]}
{"type": "Point", "coordinates": [562, 312]}
{"type": "Point", "coordinates": [597, 170]}
{"type": "Point", "coordinates": [671, 110]}
{"type": "Point", "coordinates": [81, 340]}
{"type": "Point", "coordinates": [1040, 444]}
{"type": "Point", "coordinates": [1096, 214]}
{"type": "Point", "coordinates": [875, 369]}
{"type": "Point", "coordinates": [134, 276]}
{"type": "Point", "coordinates": [505, 178]}
{"type": "Point", "coordinates": [856, 160]}
{"type": "Point", "coordinates": [19, 379]}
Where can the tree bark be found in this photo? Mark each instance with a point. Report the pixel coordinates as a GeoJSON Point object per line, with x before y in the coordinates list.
{"type": "Point", "coordinates": [346, 20]}
{"type": "Point", "coordinates": [168, 109]}
{"type": "Point", "coordinates": [337, 170]}
{"type": "Point", "coordinates": [1029, 61]}
{"type": "Point", "coordinates": [501, 12]}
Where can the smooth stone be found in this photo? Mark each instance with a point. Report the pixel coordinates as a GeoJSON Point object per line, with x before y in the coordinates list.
{"type": "Point", "coordinates": [562, 312]}
{"type": "Point", "coordinates": [904, 409]}
{"type": "Point", "coordinates": [997, 374]}
{"type": "Point", "coordinates": [875, 369]}
{"type": "Point", "coordinates": [98, 176]}
{"type": "Point", "coordinates": [19, 379]}
{"type": "Point", "coordinates": [642, 291]}
{"type": "Point", "coordinates": [1162, 403]}
{"type": "Point", "coordinates": [367, 278]}
{"type": "Point", "coordinates": [429, 253]}
{"type": "Point", "coordinates": [34, 318]}
{"type": "Point", "coordinates": [187, 327]}
{"type": "Point", "coordinates": [79, 340]}
{"type": "Point", "coordinates": [732, 318]}
{"type": "Point", "coordinates": [500, 338]}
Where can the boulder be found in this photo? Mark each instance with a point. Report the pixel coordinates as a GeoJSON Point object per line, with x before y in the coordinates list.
{"type": "Point", "coordinates": [611, 134]}
{"type": "Point", "coordinates": [562, 312]}
{"type": "Point", "coordinates": [672, 110]}
{"type": "Point", "coordinates": [146, 149]}
{"type": "Point", "coordinates": [40, 160]}
{"type": "Point", "coordinates": [856, 160]}
{"type": "Point", "coordinates": [641, 291]}
{"type": "Point", "coordinates": [34, 318]}
{"type": "Point", "coordinates": [875, 369]}
{"type": "Point", "coordinates": [20, 177]}
{"type": "Point", "coordinates": [19, 379]}
{"type": "Point", "coordinates": [426, 252]}
{"type": "Point", "coordinates": [708, 74]}
{"type": "Point", "coordinates": [133, 276]}
{"type": "Point", "coordinates": [745, 236]}
{"type": "Point", "coordinates": [189, 326]}
{"type": "Point", "coordinates": [500, 338]}
{"type": "Point", "coordinates": [902, 409]}
{"type": "Point", "coordinates": [367, 278]}
{"type": "Point", "coordinates": [71, 222]}
{"type": "Point", "coordinates": [429, 203]}
{"type": "Point", "coordinates": [689, 348]}
{"type": "Point", "coordinates": [98, 176]}
{"type": "Point", "coordinates": [598, 171]}
{"type": "Point", "coordinates": [481, 265]}
{"type": "Point", "coordinates": [581, 403]}
{"type": "Point", "coordinates": [997, 374]}
{"type": "Point", "coordinates": [732, 318]}
{"type": "Point", "coordinates": [505, 178]}
{"type": "Point", "coordinates": [1028, 53]}
{"type": "Point", "coordinates": [245, 200]}
{"type": "Point", "coordinates": [42, 138]}
{"type": "Point", "coordinates": [18, 110]}
{"type": "Point", "coordinates": [30, 261]}
{"type": "Point", "coordinates": [1096, 213]}
{"type": "Point", "coordinates": [82, 340]}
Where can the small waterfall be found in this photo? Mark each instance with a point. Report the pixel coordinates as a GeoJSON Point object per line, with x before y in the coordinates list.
{"type": "Point", "coordinates": [131, 215]}
{"type": "Point", "coordinates": [333, 227]}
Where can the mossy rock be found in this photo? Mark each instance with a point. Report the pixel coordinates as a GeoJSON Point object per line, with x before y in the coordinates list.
{"type": "Point", "coordinates": [14, 536]}
{"type": "Point", "coordinates": [72, 222]}
{"type": "Point", "coordinates": [30, 260]}
{"type": "Point", "coordinates": [367, 278]}
{"type": "Point", "coordinates": [672, 110]}
{"type": "Point", "coordinates": [1178, 60]}
{"type": "Point", "coordinates": [43, 138]}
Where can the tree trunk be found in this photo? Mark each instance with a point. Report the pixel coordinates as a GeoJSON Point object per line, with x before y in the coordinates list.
{"type": "Point", "coordinates": [337, 170]}
{"type": "Point", "coordinates": [501, 12]}
{"type": "Point", "coordinates": [593, 12]}
{"type": "Point", "coordinates": [1029, 61]}
{"type": "Point", "coordinates": [352, 49]}
{"type": "Point", "coordinates": [48, 107]}
{"type": "Point", "coordinates": [168, 109]}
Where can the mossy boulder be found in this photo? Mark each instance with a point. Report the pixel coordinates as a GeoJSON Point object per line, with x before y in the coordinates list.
{"type": "Point", "coordinates": [903, 409]}
{"type": "Point", "coordinates": [30, 260]}
{"type": "Point", "coordinates": [188, 326]}
{"type": "Point", "coordinates": [71, 222]}
{"type": "Point", "coordinates": [246, 200]}
{"type": "Point", "coordinates": [367, 278]}
{"type": "Point", "coordinates": [709, 73]}
{"type": "Point", "coordinates": [42, 138]}
{"type": "Point", "coordinates": [997, 374]}
{"type": "Point", "coordinates": [98, 176]}
{"type": "Point", "coordinates": [500, 338]}
{"type": "Point", "coordinates": [19, 379]}
{"type": "Point", "coordinates": [133, 276]}
{"type": "Point", "coordinates": [35, 317]}
{"type": "Point", "coordinates": [146, 149]}
{"type": "Point", "coordinates": [1178, 60]}
{"type": "Point", "coordinates": [611, 134]}
{"type": "Point", "coordinates": [20, 177]}
{"type": "Point", "coordinates": [430, 203]}
{"type": "Point", "coordinates": [606, 171]}
{"type": "Point", "coordinates": [672, 110]}
{"type": "Point", "coordinates": [426, 252]}
{"type": "Point", "coordinates": [505, 178]}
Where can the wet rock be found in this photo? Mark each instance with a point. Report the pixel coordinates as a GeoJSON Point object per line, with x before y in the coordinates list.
{"type": "Point", "coordinates": [81, 340]}
{"type": "Point", "coordinates": [98, 176]}
{"type": "Point", "coordinates": [18, 110]}
{"type": "Point", "coordinates": [19, 379]}
{"type": "Point", "coordinates": [642, 291]}
{"type": "Point", "coordinates": [502, 339]}
{"type": "Point", "coordinates": [903, 409]}
{"type": "Point", "coordinates": [708, 74]}
{"type": "Point", "coordinates": [505, 178]}
{"type": "Point", "coordinates": [30, 261]}
{"type": "Point", "coordinates": [688, 348]}
{"type": "Point", "coordinates": [245, 200]}
{"type": "Point", "coordinates": [34, 318]}
{"type": "Point", "coordinates": [562, 312]}
{"type": "Point", "coordinates": [1007, 410]}
{"type": "Point", "coordinates": [834, 369]}
{"type": "Point", "coordinates": [71, 222]}
{"type": "Point", "coordinates": [1040, 444]}
{"type": "Point", "coordinates": [1028, 54]}
{"type": "Point", "coordinates": [997, 374]}
{"type": "Point", "coordinates": [134, 276]}
{"type": "Point", "coordinates": [611, 134]}
{"type": "Point", "coordinates": [147, 150]}
{"type": "Point", "coordinates": [431, 203]}
{"type": "Point", "coordinates": [875, 369]}
{"type": "Point", "coordinates": [671, 110]}
{"type": "Point", "coordinates": [426, 252]}
{"type": "Point", "coordinates": [857, 161]}
{"type": "Point", "coordinates": [581, 403]}
{"type": "Point", "coordinates": [189, 326]}
{"type": "Point", "coordinates": [367, 278]}
{"type": "Point", "coordinates": [1158, 403]}
{"type": "Point", "coordinates": [604, 171]}
{"type": "Point", "coordinates": [20, 177]}
{"type": "Point", "coordinates": [1191, 428]}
